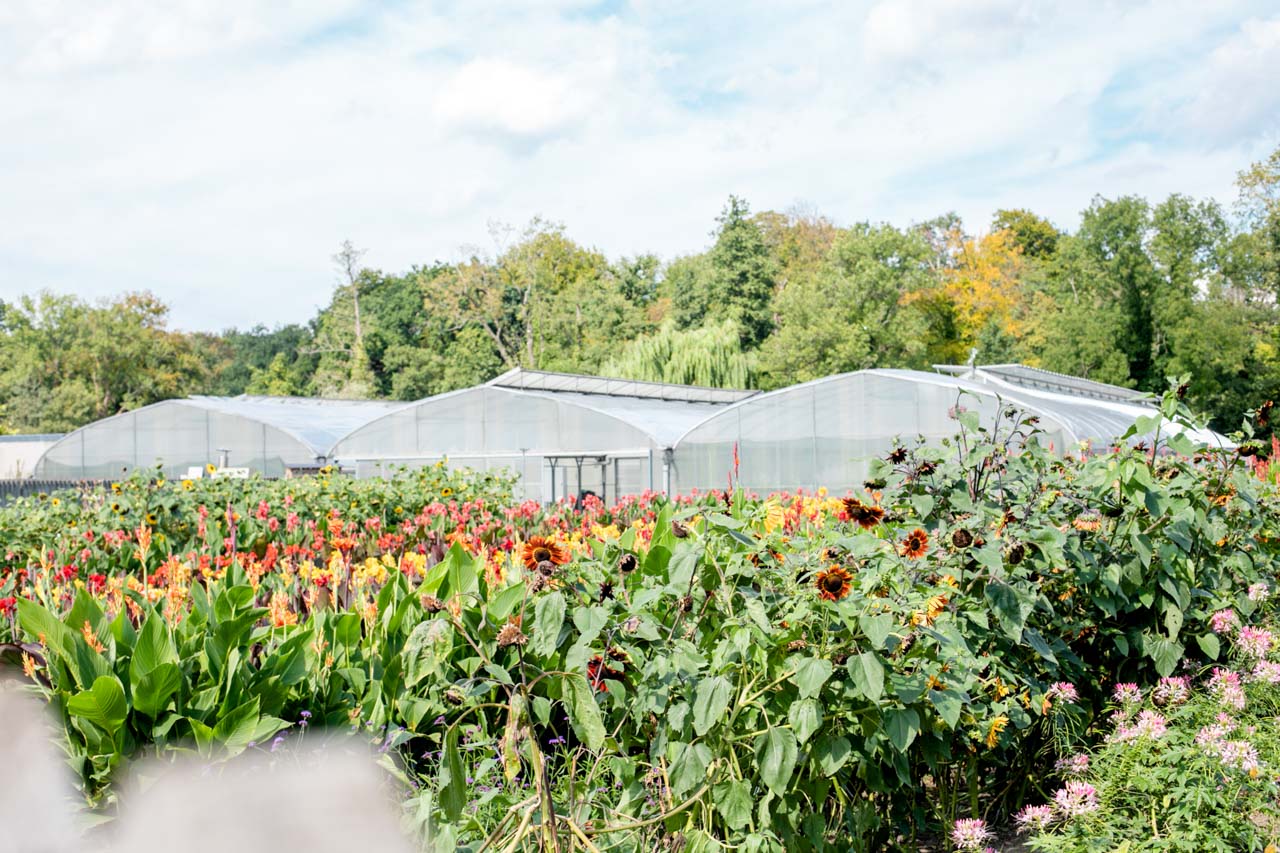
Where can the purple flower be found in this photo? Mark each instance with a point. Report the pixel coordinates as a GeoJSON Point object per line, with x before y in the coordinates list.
{"type": "Point", "coordinates": [277, 743]}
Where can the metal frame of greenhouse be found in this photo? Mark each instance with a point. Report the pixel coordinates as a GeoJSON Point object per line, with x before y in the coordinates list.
{"type": "Point", "coordinates": [566, 435]}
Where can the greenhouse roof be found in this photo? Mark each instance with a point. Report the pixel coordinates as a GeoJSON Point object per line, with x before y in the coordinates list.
{"type": "Point", "coordinates": [521, 379]}
{"type": "Point", "coordinates": [316, 422]}
{"type": "Point", "coordinates": [1045, 380]}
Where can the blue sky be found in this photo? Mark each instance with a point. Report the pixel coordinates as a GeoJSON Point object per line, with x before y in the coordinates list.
{"type": "Point", "coordinates": [216, 152]}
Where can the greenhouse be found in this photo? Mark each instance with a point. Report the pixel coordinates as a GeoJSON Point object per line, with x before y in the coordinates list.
{"type": "Point", "coordinates": [566, 435]}
{"type": "Point", "coordinates": [825, 432]}
{"type": "Point", "coordinates": [269, 435]}
{"type": "Point", "coordinates": [563, 434]}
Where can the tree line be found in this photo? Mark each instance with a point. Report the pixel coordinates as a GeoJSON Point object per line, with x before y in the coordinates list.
{"type": "Point", "coordinates": [1140, 291]}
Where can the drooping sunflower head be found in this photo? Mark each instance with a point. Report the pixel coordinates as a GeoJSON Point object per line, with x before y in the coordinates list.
{"type": "Point", "coordinates": [916, 544]}
{"type": "Point", "coordinates": [833, 583]}
{"type": "Point", "coordinates": [540, 549]}
{"type": "Point", "coordinates": [898, 455]}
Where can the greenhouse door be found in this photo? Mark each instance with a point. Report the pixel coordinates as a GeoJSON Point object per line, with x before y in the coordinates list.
{"type": "Point", "coordinates": [608, 476]}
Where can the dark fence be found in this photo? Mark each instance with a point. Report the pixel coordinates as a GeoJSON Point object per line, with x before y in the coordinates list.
{"type": "Point", "coordinates": [13, 489]}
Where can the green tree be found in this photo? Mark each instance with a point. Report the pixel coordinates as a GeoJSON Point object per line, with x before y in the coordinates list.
{"type": "Point", "coordinates": [1035, 235]}
{"type": "Point", "coordinates": [1259, 203]}
{"type": "Point", "coordinates": [743, 273]}
{"type": "Point", "coordinates": [856, 313]}
{"type": "Point", "coordinates": [711, 355]}
{"type": "Point", "coordinates": [64, 362]}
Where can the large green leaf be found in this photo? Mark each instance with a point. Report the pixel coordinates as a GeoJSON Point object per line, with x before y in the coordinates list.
{"type": "Point", "coordinates": [733, 801]}
{"type": "Point", "coordinates": [584, 713]}
{"type": "Point", "coordinates": [548, 617]}
{"type": "Point", "coordinates": [902, 725]}
{"type": "Point", "coordinates": [154, 647]}
{"type": "Point", "coordinates": [504, 602]}
{"type": "Point", "coordinates": [453, 779]}
{"type": "Point", "coordinates": [811, 674]}
{"type": "Point", "coordinates": [832, 754]}
{"type": "Point", "coordinates": [805, 716]}
{"type": "Point", "coordinates": [876, 628]}
{"type": "Point", "coordinates": [1011, 606]}
{"type": "Point", "coordinates": [949, 704]}
{"type": "Point", "coordinates": [710, 701]}
{"type": "Point", "coordinates": [776, 754]}
{"type": "Point", "coordinates": [426, 649]}
{"type": "Point", "coordinates": [867, 674]}
{"type": "Point", "coordinates": [151, 692]}
{"type": "Point", "coordinates": [235, 730]}
{"type": "Point", "coordinates": [689, 766]}
{"type": "Point", "coordinates": [103, 704]}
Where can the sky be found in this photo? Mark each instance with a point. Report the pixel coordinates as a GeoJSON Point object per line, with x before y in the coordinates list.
{"type": "Point", "coordinates": [218, 152]}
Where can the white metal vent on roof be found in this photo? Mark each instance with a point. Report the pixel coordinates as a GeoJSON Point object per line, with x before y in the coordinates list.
{"type": "Point", "coordinates": [542, 380]}
{"type": "Point", "coordinates": [1045, 380]}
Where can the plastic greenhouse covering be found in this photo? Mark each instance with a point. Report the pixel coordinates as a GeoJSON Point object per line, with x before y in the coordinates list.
{"type": "Point", "coordinates": [264, 434]}
{"type": "Point", "coordinates": [564, 435]}
{"type": "Point", "coordinates": [825, 432]}
{"type": "Point", "coordinates": [561, 443]}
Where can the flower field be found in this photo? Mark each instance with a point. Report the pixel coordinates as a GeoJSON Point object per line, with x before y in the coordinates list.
{"type": "Point", "coordinates": [982, 640]}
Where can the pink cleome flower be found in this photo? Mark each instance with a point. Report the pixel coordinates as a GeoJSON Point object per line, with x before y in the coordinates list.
{"type": "Point", "coordinates": [1075, 765]}
{"type": "Point", "coordinates": [1224, 621]}
{"type": "Point", "coordinates": [1063, 691]}
{"type": "Point", "coordinates": [1225, 684]}
{"type": "Point", "coordinates": [1172, 690]}
{"type": "Point", "coordinates": [1127, 693]}
{"type": "Point", "coordinates": [1075, 799]}
{"type": "Point", "coordinates": [1267, 672]}
{"type": "Point", "coordinates": [970, 833]}
{"type": "Point", "coordinates": [1034, 818]}
{"type": "Point", "coordinates": [1254, 643]}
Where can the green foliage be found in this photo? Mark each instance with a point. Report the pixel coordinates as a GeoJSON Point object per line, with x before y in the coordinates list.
{"type": "Point", "coordinates": [854, 313]}
{"type": "Point", "coordinates": [710, 355]}
{"type": "Point", "coordinates": [1142, 289]}
{"type": "Point", "coordinates": [1193, 775]}
{"type": "Point", "coordinates": [682, 674]}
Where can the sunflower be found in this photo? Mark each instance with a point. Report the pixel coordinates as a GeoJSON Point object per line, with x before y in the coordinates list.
{"type": "Point", "coordinates": [540, 549]}
{"type": "Point", "coordinates": [833, 583]}
{"type": "Point", "coordinates": [866, 515]}
{"type": "Point", "coordinates": [446, 492]}
{"type": "Point", "coordinates": [993, 732]}
{"type": "Point", "coordinates": [898, 455]}
{"type": "Point", "coordinates": [916, 544]}
{"type": "Point", "coordinates": [210, 468]}
{"type": "Point", "coordinates": [151, 519]}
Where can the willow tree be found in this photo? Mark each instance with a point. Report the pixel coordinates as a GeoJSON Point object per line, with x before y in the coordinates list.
{"type": "Point", "coordinates": [710, 355]}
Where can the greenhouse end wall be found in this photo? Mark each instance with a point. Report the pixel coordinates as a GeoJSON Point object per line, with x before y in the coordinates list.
{"type": "Point", "coordinates": [825, 433]}
{"type": "Point", "coordinates": [175, 437]}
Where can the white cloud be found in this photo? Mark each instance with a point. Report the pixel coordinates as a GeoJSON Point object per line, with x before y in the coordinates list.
{"type": "Point", "coordinates": [217, 153]}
